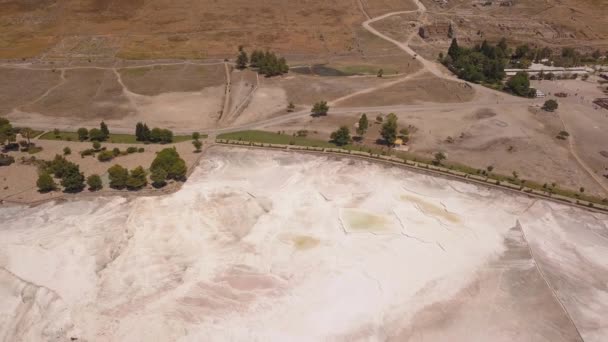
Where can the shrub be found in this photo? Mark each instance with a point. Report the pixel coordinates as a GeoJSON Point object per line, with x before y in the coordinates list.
{"type": "Point", "coordinates": [67, 151]}
{"type": "Point", "coordinates": [6, 160]}
{"type": "Point", "coordinates": [118, 177]}
{"type": "Point", "coordinates": [137, 179]}
{"type": "Point", "coordinates": [94, 182]}
{"type": "Point", "coordinates": [105, 156]}
{"type": "Point", "coordinates": [131, 149]}
{"type": "Point", "coordinates": [46, 183]}
{"type": "Point", "coordinates": [141, 150]}
{"type": "Point", "coordinates": [550, 105]}
{"type": "Point", "coordinates": [341, 137]}
{"type": "Point", "coordinates": [196, 136]}
{"type": "Point", "coordinates": [320, 108]}
{"type": "Point", "coordinates": [158, 177]}
{"type": "Point", "coordinates": [83, 133]}
{"type": "Point", "coordinates": [87, 152]}
{"type": "Point", "coordinates": [116, 151]}
{"type": "Point", "coordinates": [96, 134]}
{"type": "Point", "coordinates": [72, 179]}
{"type": "Point", "coordinates": [96, 146]}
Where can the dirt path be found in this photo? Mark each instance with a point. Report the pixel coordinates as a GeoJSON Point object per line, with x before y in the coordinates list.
{"type": "Point", "coordinates": [579, 160]}
{"type": "Point", "coordinates": [226, 105]}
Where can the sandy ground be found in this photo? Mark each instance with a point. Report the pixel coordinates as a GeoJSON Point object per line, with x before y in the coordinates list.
{"type": "Point", "coordinates": [18, 181]}
{"type": "Point", "coordinates": [303, 248]}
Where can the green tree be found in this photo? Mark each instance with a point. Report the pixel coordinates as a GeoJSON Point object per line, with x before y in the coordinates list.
{"type": "Point", "coordinates": [291, 107]}
{"type": "Point", "coordinates": [256, 58]}
{"type": "Point", "coordinates": [139, 132]}
{"type": "Point", "coordinates": [196, 136]}
{"type": "Point", "coordinates": [519, 84]}
{"type": "Point", "coordinates": [389, 129]}
{"type": "Point", "coordinates": [363, 125]}
{"type": "Point", "coordinates": [163, 136]}
{"type": "Point", "coordinates": [58, 166]}
{"type": "Point", "coordinates": [439, 157]}
{"type": "Point", "coordinates": [137, 179]}
{"type": "Point", "coordinates": [341, 137]}
{"type": "Point", "coordinates": [72, 179]}
{"type": "Point", "coordinates": [170, 161]}
{"type": "Point", "coordinates": [83, 134]}
{"type": "Point", "coordinates": [454, 49]}
{"type": "Point", "coordinates": [118, 177]}
{"type": "Point", "coordinates": [320, 108]}
{"type": "Point", "coordinates": [550, 105]}
{"type": "Point", "coordinates": [96, 134]}
{"type": "Point", "coordinates": [197, 145]}
{"type": "Point", "coordinates": [380, 73]}
{"type": "Point", "coordinates": [6, 130]}
{"type": "Point", "coordinates": [27, 133]}
{"type": "Point", "coordinates": [94, 182]}
{"type": "Point", "coordinates": [104, 130]}
{"type": "Point", "coordinates": [46, 183]}
{"type": "Point", "coordinates": [96, 145]}
{"type": "Point", "coordinates": [158, 177]}
{"type": "Point", "coordinates": [242, 60]}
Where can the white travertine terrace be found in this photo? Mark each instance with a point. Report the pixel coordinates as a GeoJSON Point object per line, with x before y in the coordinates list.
{"type": "Point", "coordinates": [277, 246]}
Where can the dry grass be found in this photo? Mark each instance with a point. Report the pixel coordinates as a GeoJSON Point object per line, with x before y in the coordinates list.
{"type": "Point", "coordinates": [172, 78]}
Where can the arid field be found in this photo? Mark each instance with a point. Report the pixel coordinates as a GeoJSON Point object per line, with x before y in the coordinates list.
{"type": "Point", "coordinates": [280, 246]}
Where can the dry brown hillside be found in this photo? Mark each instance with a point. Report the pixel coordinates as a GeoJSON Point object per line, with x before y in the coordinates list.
{"type": "Point", "coordinates": [147, 29]}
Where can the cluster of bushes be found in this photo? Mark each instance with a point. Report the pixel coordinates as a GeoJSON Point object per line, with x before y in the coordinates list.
{"type": "Point", "coordinates": [482, 63]}
{"type": "Point", "coordinates": [167, 165]}
{"type": "Point", "coordinates": [96, 134]}
{"type": "Point", "coordinates": [551, 76]}
{"type": "Point", "coordinates": [71, 179]}
{"type": "Point", "coordinates": [268, 63]}
{"type": "Point", "coordinates": [121, 178]}
{"type": "Point", "coordinates": [154, 135]}
{"type": "Point", "coordinates": [104, 154]}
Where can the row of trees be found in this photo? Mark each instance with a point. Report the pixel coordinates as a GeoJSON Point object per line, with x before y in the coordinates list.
{"type": "Point", "coordinates": [95, 134]}
{"type": "Point", "coordinates": [168, 165]}
{"type": "Point", "coordinates": [154, 135]}
{"type": "Point", "coordinates": [267, 63]}
{"type": "Point", "coordinates": [389, 131]}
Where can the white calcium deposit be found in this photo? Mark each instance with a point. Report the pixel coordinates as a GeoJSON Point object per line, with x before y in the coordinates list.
{"type": "Point", "coordinates": [257, 246]}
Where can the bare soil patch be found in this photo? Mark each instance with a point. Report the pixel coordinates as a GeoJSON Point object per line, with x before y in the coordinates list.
{"type": "Point", "coordinates": [425, 88]}
{"type": "Point", "coordinates": [172, 78]}
{"type": "Point", "coordinates": [21, 86]}
{"type": "Point", "coordinates": [86, 93]}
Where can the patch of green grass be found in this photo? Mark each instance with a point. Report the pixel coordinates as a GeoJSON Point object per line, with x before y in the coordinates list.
{"type": "Point", "coordinates": [114, 138]}
{"type": "Point", "coordinates": [364, 69]}
{"type": "Point", "coordinates": [274, 138]}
